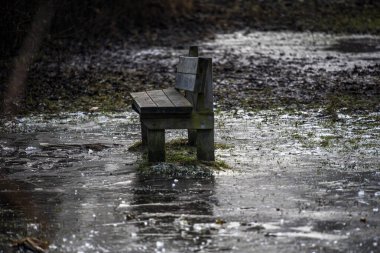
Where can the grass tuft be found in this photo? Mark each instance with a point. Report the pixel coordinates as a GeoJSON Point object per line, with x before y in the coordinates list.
{"type": "Point", "coordinates": [179, 153]}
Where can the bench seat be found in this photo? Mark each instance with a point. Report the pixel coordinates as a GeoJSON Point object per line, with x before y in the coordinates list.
{"type": "Point", "coordinates": [161, 101]}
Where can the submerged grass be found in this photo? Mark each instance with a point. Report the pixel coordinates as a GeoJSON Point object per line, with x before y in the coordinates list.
{"type": "Point", "coordinates": [181, 160]}
{"type": "Point", "coordinates": [348, 103]}
{"type": "Point", "coordinates": [137, 146]}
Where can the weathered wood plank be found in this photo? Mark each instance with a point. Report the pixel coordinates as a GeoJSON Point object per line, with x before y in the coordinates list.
{"type": "Point", "coordinates": [205, 145]}
{"type": "Point", "coordinates": [185, 81]}
{"type": "Point", "coordinates": [177, 98]}
{"type": "Point", "coordinates": [187, 65]}
{"type": "Point", "coordinates": [205, 96]}
{"type": "Point", "coordinates": [165, 115]}
{"type": "Point", "coordinates": [192, 97]}
{"type": "Point", "coordinates": [144, 134]}
{"type": "Point", "coordinates": [157, 102]}
{"type": "Point", "coordinates": [142, 101]}
{"type": "Point", "coordinates": [195, 121]}
{"type": "Point", "coordinates": [154, 112]}
{"type": "Point", "coordinates": [156, 145]}
{"type": "Point", "coordinates": [160, 98]}
{"type": "Point", "coordinates": [192, 136]}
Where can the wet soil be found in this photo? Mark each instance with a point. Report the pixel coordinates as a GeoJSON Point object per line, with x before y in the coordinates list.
{"type": "Point", "coordinates": [298, 111]}
{"type": "Point", "coordinates": [262, 70]}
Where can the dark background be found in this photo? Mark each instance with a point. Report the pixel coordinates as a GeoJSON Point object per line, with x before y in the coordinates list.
{"type": "Point", "coordinates": [78, 26]}
{"type": "Point", "coordinates": [94, 19]}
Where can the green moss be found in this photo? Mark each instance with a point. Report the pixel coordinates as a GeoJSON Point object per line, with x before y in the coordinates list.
{"type": "Point", "coordinates": [165, 170]}
{"type": "Point", "coordinates": [297, 136]}
{"type": "Point", "coordinates": [223, 146]}
{"type": "Point", "coordinates": [348, 103]}
{"type": "Point", "coordinates": [180, 153]}
{"type": "Point", "coordinates": [181, 156]}
{"type": "Point", "coordinates": [177, 143]}
{"type": "Point", "coordinates": [325, 143]}
{"type": "Point", "coordinates": [353, 143]}
{"type": "Point", "coordinates": [217, 165]}
{"type": "Point", "coordinates": [308, 140]}
{"type": "Point", "coordinates": [328, 141]}
{"type": "Point", "coordinates": [137, 146]}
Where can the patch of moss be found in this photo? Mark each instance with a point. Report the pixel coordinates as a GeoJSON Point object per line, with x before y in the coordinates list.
{"type": "Point", "coordinates": [137, 146]}
{"type": "Point", "coordinates": [353, 143]}
{"type": "Point", "coordinates": [180, 153]}
{"type": "Point", "coordinates": [327, 141]}
{"type": "Point", "coordinates": [348, 103]}
{"type": "Point", "coordinates": [177, 143]}
{"type": "Point", "coordinates": [223, 146]}
{"type": "Point", "coordinates": [181, 156]}
{"type": "Point", "coordinates": [297, 136]}
{"type": "Point", "coordinates": [171, 170]}
{"type": "Point", "coordinates": [217, 165]}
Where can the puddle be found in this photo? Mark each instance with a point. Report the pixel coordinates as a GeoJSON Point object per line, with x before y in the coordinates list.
{"type": "Point", "coordinates": [363, 44]}
{"type": "Point", "coordinates": [303, 51]}
{"type": "Point", "coordinates": [285, 190]}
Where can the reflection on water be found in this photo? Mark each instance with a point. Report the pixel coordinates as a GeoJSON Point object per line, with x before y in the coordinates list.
{"type": "Point", "coordinates": [166, 208]}
{"type": "Point", "coordinates": [54, 188]}
{"type": "Point", "coordinates": [26, 211]}
{"type": "Point", "coordinates": [363, 44]}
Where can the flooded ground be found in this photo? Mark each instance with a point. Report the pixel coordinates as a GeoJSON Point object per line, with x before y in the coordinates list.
{"type": "Point", "coordinates": [300, 180]}
{"type": "Point", "coordinates": [296, 183]}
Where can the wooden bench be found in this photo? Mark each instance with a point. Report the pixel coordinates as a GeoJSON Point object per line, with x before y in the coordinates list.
{"type": "Point", "coordinates": [189, 105]}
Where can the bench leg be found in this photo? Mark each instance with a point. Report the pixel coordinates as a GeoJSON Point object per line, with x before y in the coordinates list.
{"type": "Point", "coordinates": [156, 145]}
{"type": "Point", "coordinates": [144, 134]}
{"type": "Point", "coordinates": [205, 145]}
{"type": "Point", "coordinates": [192, 137]}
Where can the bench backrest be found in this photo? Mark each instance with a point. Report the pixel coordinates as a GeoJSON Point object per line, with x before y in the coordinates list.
{"type": "Point", "coordinates": [186, 76]}
{"type": "Point", "coordinates": [194, 76]}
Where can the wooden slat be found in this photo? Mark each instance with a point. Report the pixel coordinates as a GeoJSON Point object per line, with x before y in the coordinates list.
{"type": "Point", "coordinates": [193, 121]}
{"type": "Point", "coordinates": [192, 97]}
{"type": "Point", "coordinates": [187, 65]}
{"type": "Point", "coordinates": [177, 98]}
{"type": "Point", "coordinates": [185, 81]}
{"type": "Point", "coordinates": [160, 99]}
{"type": "Point", "coordinates": [205, 145]}
{"type": "Point", "coordinates": [142, 100]}
{"type": "Point", "coordinates": [156, 145]}
{"type": "Point", "coordinates": [168, 101]}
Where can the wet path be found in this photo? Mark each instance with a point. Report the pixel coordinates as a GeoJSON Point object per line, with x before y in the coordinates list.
{"type": "Point", "coordinates": [300, 180]}
{"type": "Point", "coordinates": [72, 180]}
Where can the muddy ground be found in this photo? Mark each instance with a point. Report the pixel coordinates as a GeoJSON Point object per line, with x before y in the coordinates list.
{"type": "Point", "coordinates": [261, 69]}
{"type": "Point", "coordinates": [93, 55]}
{"type": "Point", "coordinates": [298, 116]}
